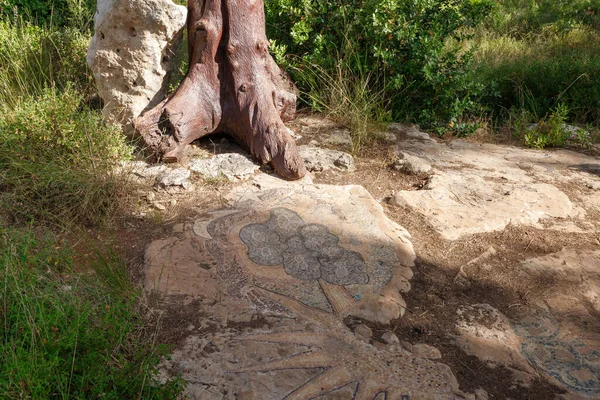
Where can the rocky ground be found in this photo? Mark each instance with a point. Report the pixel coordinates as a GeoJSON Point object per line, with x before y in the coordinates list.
{"type": "Point", "coordinates": [422, 269]}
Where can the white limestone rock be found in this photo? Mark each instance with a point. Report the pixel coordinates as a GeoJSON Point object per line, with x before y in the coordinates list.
{"type": "Point", "coordinates": [486, 333]}
{"type": "Point", "coordinates": [426, 351]}
{"type": "Point", "coordinates": [318, 159]}
{"type": "Point", "coordinates": [411, 164]}
{"type": "Point", "coordinates": [410, 130]}
{"type": "Point", "coordinates": [390, 338]}
{"type": "Point", "coordinates": [175, 177]}
{"type": "Point", "coordinates": [131, 54]}
{"type": "Point", "coordinates": [231, 165]}
{"type": "Point", "coordinates": [459, 203]}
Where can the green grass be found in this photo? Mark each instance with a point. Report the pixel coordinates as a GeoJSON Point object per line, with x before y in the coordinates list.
{"type": "Point", "coordinates": [540, 63]}
{"type": "Point", "coordinates": [546, 69]}
{"type": "Point", "coordinates": [57, 156]}
{"type": "Point", "coordinates": [519, 18]}
{"type": "Point", "coordinates": [59, 13]}
{"type": "Point", "coordinates": [33, 59]}
{"type": "Point", "coordinates": [72, 329]}
{"type": "Point", "coordinates": [58, 162]}
{"type": "Point", "coordinates": [353, 97]}
{"type": "Point", "coordinates": [72, 326]}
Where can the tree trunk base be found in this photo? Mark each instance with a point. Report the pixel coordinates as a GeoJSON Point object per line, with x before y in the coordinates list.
{"type": "Point", "coordinates": [233, 86]}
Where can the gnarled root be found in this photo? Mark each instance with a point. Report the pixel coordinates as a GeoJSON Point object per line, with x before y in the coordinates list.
{"type": "Point", "coordinates": [233, 85]}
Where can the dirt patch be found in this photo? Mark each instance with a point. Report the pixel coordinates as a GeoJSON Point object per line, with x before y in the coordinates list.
{"type": "Point", "coordinates": [431, 317]}
{"type": "Point", "coordinates": [498, 281]}
{"type": "Point", "coordinates": [177, 318]}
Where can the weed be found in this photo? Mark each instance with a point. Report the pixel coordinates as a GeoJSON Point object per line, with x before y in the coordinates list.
{"type": "Point", "coordinates": [216, 181]}
{"type": "Point", "coordinates": [553, 131]}
{"type": "Point", "coordinates": [465, 128]}
{"type": "Point", "coordinates": [348, 94]}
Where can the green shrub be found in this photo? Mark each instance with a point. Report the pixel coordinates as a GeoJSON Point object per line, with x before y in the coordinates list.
{"type": "Point", "coordinates": [68, 334]}
{"type": "Point", "coordinates": [551, 131]}
{"type": "Point", "coordinates": [418, 46]}
{"type": "Point", "coordinates": [58, 13]}
{"type": "Point", "coordinates": [57, 161]}
{"type": "Point", "coordinates": [33, 59]}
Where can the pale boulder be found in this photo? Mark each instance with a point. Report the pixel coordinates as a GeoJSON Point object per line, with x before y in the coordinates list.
{"type": "Point", "coordinates": [131, 54]}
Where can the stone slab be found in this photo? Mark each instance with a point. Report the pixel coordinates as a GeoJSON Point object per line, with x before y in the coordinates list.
{"type": "Point", "coordinates": [557, 334]}
{"type": "Point", "coordinates": [300, 258]}
{"type": "Point", "coordinates": [459, 203]}
{"type": "Point", "coordinates": [479, 188]}
{"type": "Point", "coordinates": [318, 159]}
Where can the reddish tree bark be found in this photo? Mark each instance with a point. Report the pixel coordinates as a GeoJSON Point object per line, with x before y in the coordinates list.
{"type": "Point", "coordinates": [232, 85]}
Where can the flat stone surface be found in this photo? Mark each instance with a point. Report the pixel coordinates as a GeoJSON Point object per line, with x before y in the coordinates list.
{"type": "Point", "coordinates": [563, 342]}
{"type": "Point", "coordinates": [410, 130]}
{"type": "Point", "coordinates": [411, 164]}
{"type": "Point", "coordinates": [324, 131]}
{"type": "Point", "coordinates": [174, 177]}
{"type": "Point", "coordinates": [233, 166]}
{"type": "Point", "coordinates": [318, 159]}
{"type": "Point", "coordinates": [459, 203]}
{"type": "Point", "coordinates": [561, 337]}
{"type": "Point", "coordinates": [480, 188]}
{"type": "Point", "coordinates": [580, 267]}
{"type": "Point", "coordinates": [557, 335]}
{"type": "Point", "coordinates": [338, 137]}
{"type": "Point", "coordinates": [486, 333]}
{"type": "Point", "coordinates": [301, 257]}
{"type": "Point", "coordinates": [426, 351]}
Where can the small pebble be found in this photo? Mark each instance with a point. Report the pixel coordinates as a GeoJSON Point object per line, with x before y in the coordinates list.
{"type": "Point", "coordinates": [389, 338]}
{"type": "Point", "coordinates": [426, 351]}
{"type": "Point", "coordinates": [406, 345]}
{"type": "Point", "coordinates": [363, 331]}
{"type": "Point", "coordinates": [481, 394]}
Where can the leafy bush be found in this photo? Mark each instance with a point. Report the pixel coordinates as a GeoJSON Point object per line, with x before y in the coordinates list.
{"type": "Point", "coordinates": [72, 335]}
{"type": "Point", "coordinates": [550, 132]}
{"type": "Point", "coordinates": [57, 161]}
{"type": "Point", "coordinates": [417, 46]}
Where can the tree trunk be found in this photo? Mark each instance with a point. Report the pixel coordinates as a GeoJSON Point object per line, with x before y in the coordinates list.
{"type": "Point", "coordinates": [233, 86]}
